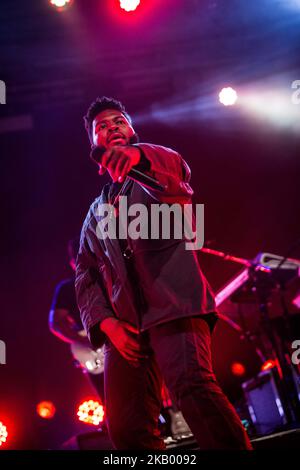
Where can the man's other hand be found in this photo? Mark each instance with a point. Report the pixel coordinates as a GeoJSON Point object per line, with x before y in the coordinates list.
{"type": "Point", "coordinates": [124, 337]}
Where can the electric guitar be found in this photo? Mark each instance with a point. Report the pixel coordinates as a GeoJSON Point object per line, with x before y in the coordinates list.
{"type": "Point", "coordinates": [89, 359]}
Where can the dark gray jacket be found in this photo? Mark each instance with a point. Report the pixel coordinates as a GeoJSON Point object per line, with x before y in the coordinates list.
{"type": "Point", "coordinates": [162, 280]}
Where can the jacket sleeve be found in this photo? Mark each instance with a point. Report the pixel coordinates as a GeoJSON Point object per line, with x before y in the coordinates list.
{"type": "Point", "coordinates": [170, 169]}
{"type": "Point", "coordinates": [92, 298]}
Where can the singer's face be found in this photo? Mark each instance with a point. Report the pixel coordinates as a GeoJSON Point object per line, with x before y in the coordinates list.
{"type": "Point", "coordinates": [110, 128]}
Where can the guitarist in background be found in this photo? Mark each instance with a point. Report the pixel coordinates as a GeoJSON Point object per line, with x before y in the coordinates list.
{"type": "Point", "coordinates": [65, 323]}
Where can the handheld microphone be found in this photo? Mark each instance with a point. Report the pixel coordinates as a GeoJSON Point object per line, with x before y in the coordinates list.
{"type": "Point", "coordinates": [135, 174]}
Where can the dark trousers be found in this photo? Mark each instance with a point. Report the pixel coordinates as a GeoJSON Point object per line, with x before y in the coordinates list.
{"type": "Point", "coordinates": [97, 381]}
{"type": "Point", "coordinates": [179, 351]}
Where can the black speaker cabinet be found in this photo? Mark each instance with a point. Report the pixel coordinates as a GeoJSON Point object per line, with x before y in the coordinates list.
{"type": "Point", "coordinates": [264, 403]}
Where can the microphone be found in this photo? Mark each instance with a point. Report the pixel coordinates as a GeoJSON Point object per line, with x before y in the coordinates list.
{"type": "Point", "coordinates": [135, 174]}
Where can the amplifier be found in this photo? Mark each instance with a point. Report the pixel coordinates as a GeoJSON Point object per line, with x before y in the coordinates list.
{"type": "Point", "coordinates": [264, 403]}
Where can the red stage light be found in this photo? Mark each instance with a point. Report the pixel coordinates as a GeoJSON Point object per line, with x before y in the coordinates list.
{"type": "Point", "coordinates": [61, 4]}
{"type": "Point", "coordinates": [270, 364]}
{"type": "Point", "coordinates": [228, 96]}
{"type": "Point", "coordinates": [238, 369]}
{"type": "Point", "coordinates": [46, 409]}
{"type": "Point", "coordinates": [129, 5]}
{"type": "Point", "coordinates": [91, 412]}
{"type": "Point", "coordinates": [3, 433]}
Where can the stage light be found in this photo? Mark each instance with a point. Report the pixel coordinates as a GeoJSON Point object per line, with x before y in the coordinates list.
{"type": "Point", "coordinates": [270, 364]}
{"type": "Point", "coordinates": [129, 5]}
{"type": "Point", "coordinates": [238, 369]}
{"type": "Point", "coordinates": [91, 412]}
{"type": "Point", "coordinates": [3, 433]}
{"type": "Point", "coordinates": [296, 300]}
{"type": "Point", "coordinates": [228, 96]}
{"type": "Point", "coordinates": [61, 4]}
{"type": "Point", "coordinates": [291, 4]}
{"type": "Point", "coordinates": [273, 105]}
{"type": "Point", "coordinates": [46, 409]}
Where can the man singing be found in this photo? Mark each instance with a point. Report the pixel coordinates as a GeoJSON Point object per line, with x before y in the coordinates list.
{"type": "Point", "coordinates": [147, 299]}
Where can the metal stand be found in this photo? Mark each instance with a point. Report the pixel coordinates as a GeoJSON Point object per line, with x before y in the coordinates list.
{"type": "Point", "coordinates": [264, 280]}
{"type": "Point", "coordinates": [264, 284]}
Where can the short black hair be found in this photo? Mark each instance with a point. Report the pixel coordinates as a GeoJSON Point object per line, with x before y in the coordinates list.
{"type": "Point", "coordinates": [101, 104]}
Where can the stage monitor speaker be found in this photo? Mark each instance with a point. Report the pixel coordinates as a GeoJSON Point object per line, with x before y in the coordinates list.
{"type": "Point", "coordinates": [279, 441]}
{"type": "Point", "coordinates": [264, 403]}
{"type": "Point", "coordinates": [96, 440]}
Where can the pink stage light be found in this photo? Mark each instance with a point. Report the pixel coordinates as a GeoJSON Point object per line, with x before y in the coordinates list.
{"type": "Point", "coordinates": [129, 5]}
{"type": "Point", "coordinates": [228, 96]}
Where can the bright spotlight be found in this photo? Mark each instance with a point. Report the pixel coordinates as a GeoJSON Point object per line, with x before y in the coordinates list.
{"type": "Point", "coordinates": [3, 434]}
{"type": "Point", "coordinates": [46, 409]}
{"type": "Point", "coordinates": [91, 412]}
{"type": "Point", "coordinates": [61, 4]}
{"type": "Point", "coordinates": [129, 5]}
{"type": "Point", "coordinates": [228, 96]}
{"type": "Point", "coordinates": [274, 105]}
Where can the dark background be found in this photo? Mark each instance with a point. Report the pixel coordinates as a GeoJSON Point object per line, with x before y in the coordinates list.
{"type": "Point", "coordinates": [167, 62]}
